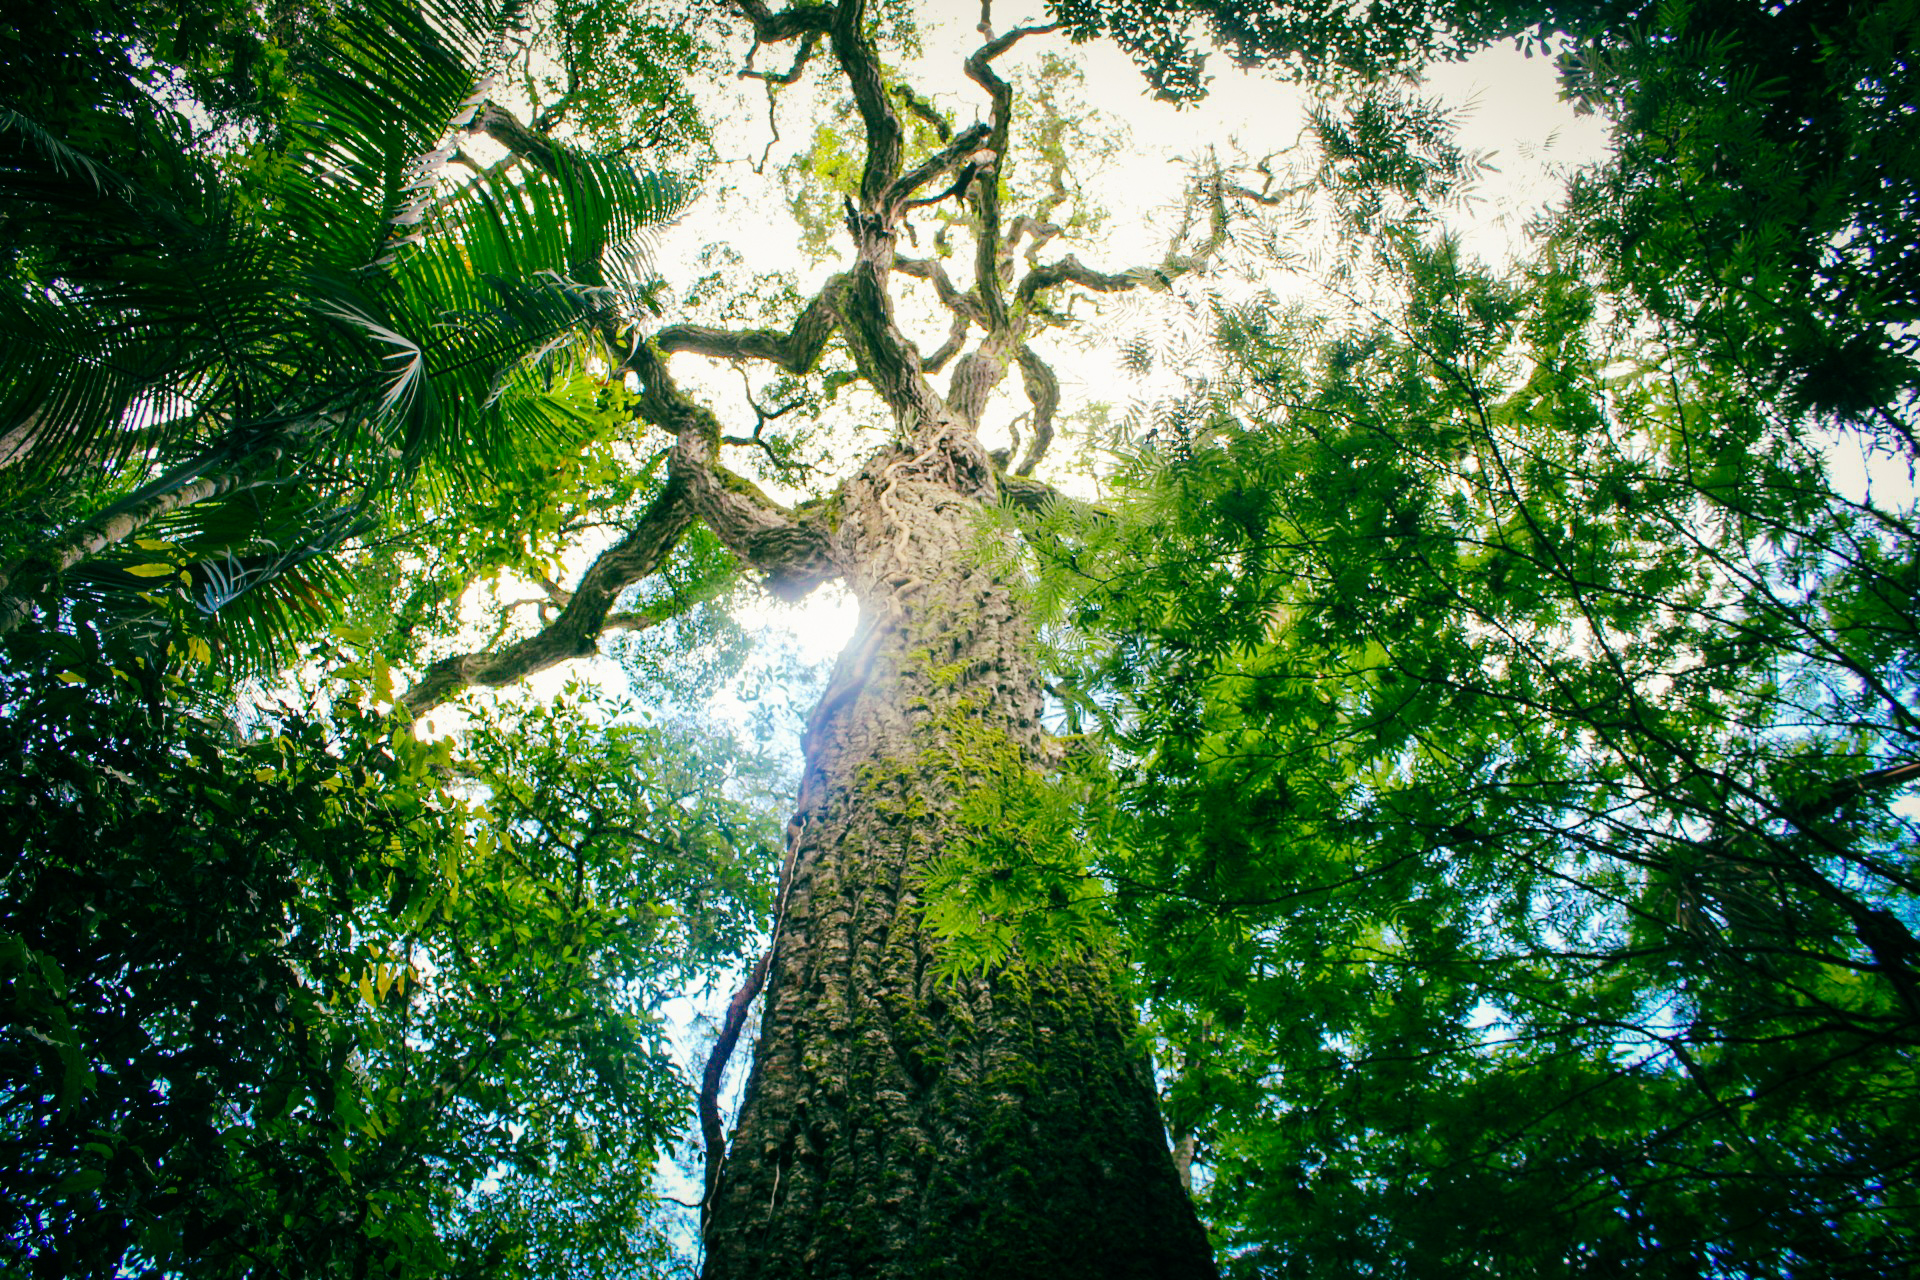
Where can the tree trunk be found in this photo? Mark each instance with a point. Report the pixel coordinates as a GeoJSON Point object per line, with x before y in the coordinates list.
{"type": "Point", "coordinates": [896, 1124]}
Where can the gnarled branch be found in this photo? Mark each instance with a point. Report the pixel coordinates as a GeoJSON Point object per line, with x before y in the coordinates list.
{"type": "Point", "coordinates": [505, 128]}
{"type": "Point", "coordinates": [963, 150]}
{"type": "Point", "coordinates": [796, 350]}
{"type": "Point", "coordinates": [808, 43]}
{"type": "Point", "coordinates": [956, 338]}
{"type": "Point", "coordinates": [1070, 270]}
{"type": "Point", "coordinates": [796, 555]}
{"type": "Point", "coordinates": [980, 70]}
{"type": "Point", "coordinates": [1043, 393]}
{"type": "Point", "coordinates": [576, 631]}
{"type": "Point", "coordinates": [1038, 496]}
{"type": "Point", "coordinates": [885, 137]}
{"type": "Point", "coordinates": [934, 272]}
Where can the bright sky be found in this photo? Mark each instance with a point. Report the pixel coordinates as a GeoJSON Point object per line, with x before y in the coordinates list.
{"type": "Point", "coordinates": [1512, 111]}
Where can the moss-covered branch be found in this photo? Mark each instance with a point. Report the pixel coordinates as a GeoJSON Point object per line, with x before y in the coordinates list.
{"type": "Point", "coordinates": [576, 632]}
{"type": "Point", "coordinates": [795, 553]}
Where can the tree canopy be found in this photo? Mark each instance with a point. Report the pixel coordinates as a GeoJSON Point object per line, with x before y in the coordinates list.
{"type": "Point", "coordinates": [1479, 697]}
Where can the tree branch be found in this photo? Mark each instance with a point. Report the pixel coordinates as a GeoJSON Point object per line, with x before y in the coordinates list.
{"type": "Point", "coordinates": [576, 631]}
{"type": "Point", "coordinates": [505, 128]}
{"type": "Point", "coordinates": [711, 1135]}
{"type": "Point", "coordinates": [1070, 270]}
{"type": "Point", "coordinates": [808, 43]}
{"type": "Point", "coordinates": [965, 149]}
{"type": "Point", "coordinates": [1833, 796]}
{"type": "Point", "coordinates": [923, 109]}
{"type": "Point", "coordinates": [861, 65]}
{"type": "Point", "coordinates": [934, 272]}
{"type": "Point", "coordinates": [980, 371]}
{"type": "Point", "coordinates": [1037, 229]}
{"type": "Point", "coordinates": [778, 28]}
{"type": "Point", "coordinates": [1038, 496]}
{"type": "Point", "coordinates": [956, 338]}
{"type": "Point", "coordinates": [980, 70]}
{"type": "Point", "coordinates": [795, 555]}
{"type": "Point", "coordinates": [796, 350]}
{"type": "Point", "coordinates": [201, 480]}
{"type": "Point", "coordinates": [1043, 393]}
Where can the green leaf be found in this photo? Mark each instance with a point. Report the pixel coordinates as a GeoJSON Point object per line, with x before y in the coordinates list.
{"type": "Point", "coordinates": [79, 1183]}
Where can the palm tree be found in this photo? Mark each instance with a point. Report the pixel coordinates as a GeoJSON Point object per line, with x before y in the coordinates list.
{"type": "Point", "coordinates": [213, 381]}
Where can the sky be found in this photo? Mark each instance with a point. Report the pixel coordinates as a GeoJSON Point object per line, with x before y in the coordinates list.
{"type": "Point", "coordinates": [1509, 109]}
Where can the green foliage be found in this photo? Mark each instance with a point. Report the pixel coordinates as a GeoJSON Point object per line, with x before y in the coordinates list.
{"type": "Point", "coordinates": [1497, 750]}
{"type": "Point", "coordinates": [821, 179]}
{"type": "Point", "coordinates": [620, 72]}
{"type": "Point", "coordinates": [1761, 195]}
{"type": "Point", "coordinates": [699, 646]}
{"type": "Point", "coordinates": [1492, 713]}
{"type": "Point", "coordinates": [1010, 888]}
{"type": "Point", "coordinates": [318, 998]}
{"type": "Point", "coordinates": [1328, 43]}
{"type": "Point", "coordinates": [303, 327]}
{"type": "Point", "coordinates": [413, 575]}
{"type": "Point", "coordinates": [113, 81]}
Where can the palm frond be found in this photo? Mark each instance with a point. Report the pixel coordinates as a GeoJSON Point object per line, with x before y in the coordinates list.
{"type": "Point", "coordinates": [317, 339]}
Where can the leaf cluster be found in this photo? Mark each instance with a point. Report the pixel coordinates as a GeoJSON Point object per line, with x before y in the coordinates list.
{"type": "Point", "coordinates": [1489, 715]}
{"type": "Point", "coordinates": [315, 997]}
{"type": "Point", "coordinates": [249, 365]}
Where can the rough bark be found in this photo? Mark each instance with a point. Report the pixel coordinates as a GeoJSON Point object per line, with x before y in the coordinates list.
{"type": "Point", "coordinates": [895, 1124]}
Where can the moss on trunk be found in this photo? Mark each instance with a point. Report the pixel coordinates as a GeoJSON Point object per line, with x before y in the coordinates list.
{"type": "Point", "coordinates": [898, 1124]}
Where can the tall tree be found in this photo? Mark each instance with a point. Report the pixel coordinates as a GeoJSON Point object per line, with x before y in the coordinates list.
{"type": "Point", "coordinates": [1485, 723]}
{"type": "Point", "coordinates": [904, 1118]}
